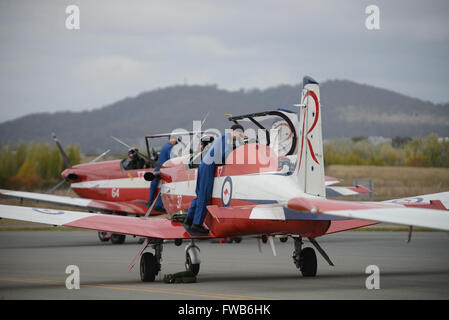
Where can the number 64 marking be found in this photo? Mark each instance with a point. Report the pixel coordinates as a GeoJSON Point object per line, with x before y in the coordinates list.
{"type": "Point", "coordinates": [115, 192]}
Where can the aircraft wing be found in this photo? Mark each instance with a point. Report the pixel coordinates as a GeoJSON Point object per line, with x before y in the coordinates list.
{"type": "Point", "coordinates": [138, 226]}
{"type": "Point", "coordinates": [346, 215]}
{"type": "Point", "coordinates": [345, 191]}
{"type": "Point", "coordinates": [331, 180]}
{"type": "Point", "coordinates": [432, 214]}
{"type": "Point", "coordinates": [423, 200]}
{"type": "Point", "coordinates": [130, 207]}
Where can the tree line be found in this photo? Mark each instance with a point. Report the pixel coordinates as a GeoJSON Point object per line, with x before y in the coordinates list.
{"type": "Point", "coordinates": [27, 166]}
{"type": "Point", "coordinates": [428, 151]}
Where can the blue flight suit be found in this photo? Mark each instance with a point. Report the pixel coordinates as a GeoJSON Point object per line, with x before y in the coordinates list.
{"type": "Point", "coordinates": [164, 155]}
{"type": "Point", "coordinates": [205, 178]}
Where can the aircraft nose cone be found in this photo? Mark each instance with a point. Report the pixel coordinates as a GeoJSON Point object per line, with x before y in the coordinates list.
{"type": "Point", "coordinates": [70, 175]}
{"type": "Point", "coordinates": [64, 173]}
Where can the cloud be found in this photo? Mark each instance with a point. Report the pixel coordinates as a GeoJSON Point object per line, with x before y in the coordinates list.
{"type": "Point", "coordinates": [113, 66]}
{"type": "Point", "coordinates": [124, 48]}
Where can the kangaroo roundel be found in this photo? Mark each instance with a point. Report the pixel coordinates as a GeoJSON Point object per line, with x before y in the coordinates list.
{"type": "Point", "coordinates": [226, 192]}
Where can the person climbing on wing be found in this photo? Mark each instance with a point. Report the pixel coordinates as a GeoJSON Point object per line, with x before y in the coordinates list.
{"type": "Point", "coordinates": [217, 154]}
{"type": "Point", "coordinates": [164, 155]}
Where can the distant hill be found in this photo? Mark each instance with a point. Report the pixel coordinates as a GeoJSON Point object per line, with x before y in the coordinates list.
{"type": "Point", "coordinates": [349, 109]}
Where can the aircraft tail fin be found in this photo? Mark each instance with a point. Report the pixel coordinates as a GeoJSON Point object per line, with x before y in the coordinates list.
{"type": "Point", "coordinates": [309, 171]}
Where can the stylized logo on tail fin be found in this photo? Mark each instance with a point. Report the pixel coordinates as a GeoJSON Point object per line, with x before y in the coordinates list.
{"type": "Point", "coordinates": [310, 163]}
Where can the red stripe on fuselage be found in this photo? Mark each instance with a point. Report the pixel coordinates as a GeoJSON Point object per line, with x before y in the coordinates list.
{"type": "Point", "coordinates": [124, 194]}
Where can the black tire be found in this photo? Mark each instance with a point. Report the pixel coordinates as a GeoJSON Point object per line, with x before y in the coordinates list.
{"type": "Point", "coordinates": [117, 238]}
{"type": "Point", "coordinates": [102, 236]}
{"type": "Point", "coordinates": [237, 239]}
{"type": "Point", "coordinates": [193, 267]}
{"type": "Point", "coordinates": [283, 239]}
{"type": "Point", "coordinates": [148, 267]}
{"type": "Point", "coordinates": [308, 263]}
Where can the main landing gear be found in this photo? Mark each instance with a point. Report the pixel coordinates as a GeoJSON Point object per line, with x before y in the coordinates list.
{"type": "Point", "coordinates": [103, 236]}
{"type": "Point", "coordinates": [305, 259]}
{"type": "Point", "coordinates": [116, 238]}
{"type": "Point", "coordinates": [150, 264]}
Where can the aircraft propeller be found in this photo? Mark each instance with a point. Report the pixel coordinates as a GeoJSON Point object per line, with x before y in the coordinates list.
{"type": "Point", "coordinates": [67, 162]}
{"type": "Point", "coordinates": [129, 147]}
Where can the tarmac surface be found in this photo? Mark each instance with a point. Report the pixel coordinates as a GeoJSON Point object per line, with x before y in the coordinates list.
{"type": "Point", "coordinates": [33, 265]}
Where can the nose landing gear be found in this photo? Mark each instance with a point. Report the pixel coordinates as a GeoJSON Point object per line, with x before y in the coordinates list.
{"type": "Point", "coordinates": [193, 258]}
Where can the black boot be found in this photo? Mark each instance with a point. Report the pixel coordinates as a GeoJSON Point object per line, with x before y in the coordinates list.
{"type": "Point", "coordinates": [188, 222]}
{"type": "Point", "coordinates": [199, 228]}
{"type": "Point", "coordinates": [159, 209]}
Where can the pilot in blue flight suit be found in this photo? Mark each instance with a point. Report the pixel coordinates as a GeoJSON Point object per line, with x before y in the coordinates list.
{"type": "Point", "coordinates": [217, 154]}
{"type": "Point", "coordinates": [164, 155]}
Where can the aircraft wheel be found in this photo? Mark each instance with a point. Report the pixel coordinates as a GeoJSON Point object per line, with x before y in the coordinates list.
{"type": "Point", "coordinates": [307, 262]}
{"type": "Point", "coordinates": [193, 267]}
{"type": "Point", "coordinates": [117, 238]}
{"type": "Point", "coordinates": [148, 267]}
{"type": "Point", "coordinates": [102, 236]}
{"type": "Point", "coordinates": [237, 239]}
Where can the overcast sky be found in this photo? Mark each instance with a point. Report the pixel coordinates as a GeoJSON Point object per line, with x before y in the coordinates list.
{"type": "Point", "coordinates": [126, 47]}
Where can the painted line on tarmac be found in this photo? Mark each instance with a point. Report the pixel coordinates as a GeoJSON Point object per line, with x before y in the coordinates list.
{"type": "Point", "coordinates": [38, 281]}
{"type": "Point", "coordinates": [193, 293]}
{"type": "Point", "coordinates": [182, 292]}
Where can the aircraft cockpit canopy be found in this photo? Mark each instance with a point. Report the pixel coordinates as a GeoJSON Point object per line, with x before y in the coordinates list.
{"type": "Point", "coordinates": [274, 128]}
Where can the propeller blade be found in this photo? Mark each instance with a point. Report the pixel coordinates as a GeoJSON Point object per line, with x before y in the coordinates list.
{"type": "Point", "coordinates": [199, 133]}
{"type": "Point", "coordinates": [121, 142]}
{"type": "Point", "coordinates": [129, 147]}
{"type": "Point", "coordinates": [204, 119]}
{"type": "Point", "coordinates": [100, 156]}
{"type": "Point", "coordinates": [154, 202]}
{"type": "Point", "coordinates": [55, 187]}
{"type": "Point", "coordinates": [61, 151]}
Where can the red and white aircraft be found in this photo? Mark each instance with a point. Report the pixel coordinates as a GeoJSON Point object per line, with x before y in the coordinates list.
{"type": "Point", "coordinates": [115, 187]}
{"type": "Point", "coordinates": [257, 192]}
